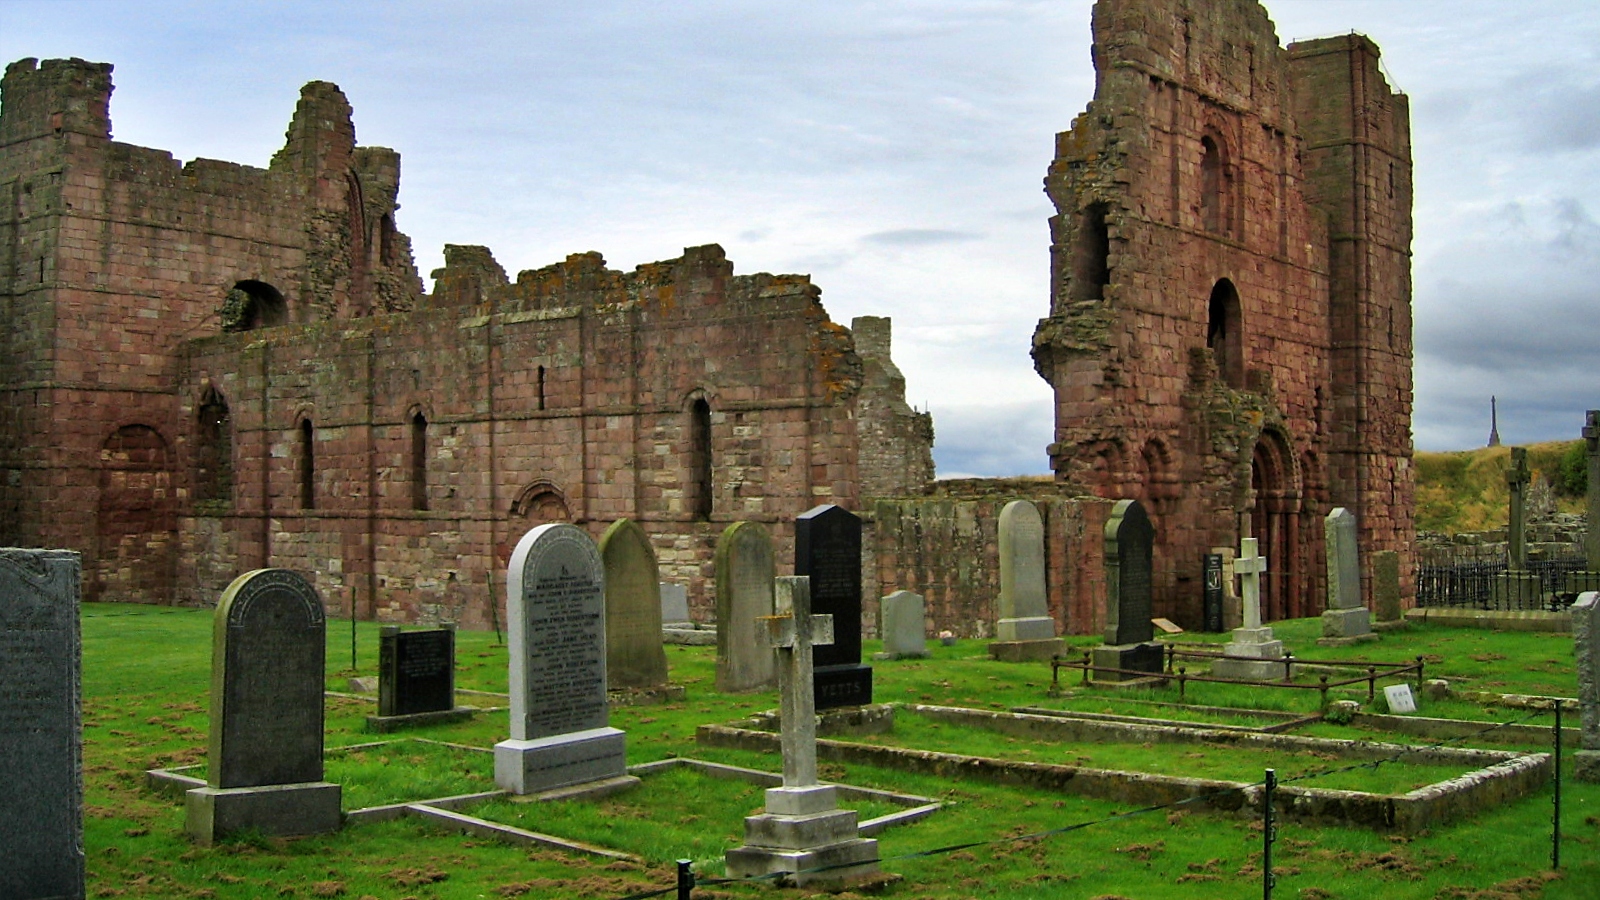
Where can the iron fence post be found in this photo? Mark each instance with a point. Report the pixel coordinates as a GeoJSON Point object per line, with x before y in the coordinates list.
{"type": "Point", "coordinates": [685, 878]}
{"type": "Point", "coordinates": [1555, 829]}
{"type": "Point", "coordinates": [1268, 835]}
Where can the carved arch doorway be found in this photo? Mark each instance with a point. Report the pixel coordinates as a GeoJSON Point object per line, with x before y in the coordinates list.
{"type": "Point", "coordinates": [136, 522]}
{"type": "Point", "coordinates": [1275, 504]}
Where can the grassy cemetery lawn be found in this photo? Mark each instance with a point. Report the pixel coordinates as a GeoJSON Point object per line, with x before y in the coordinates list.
{"type": "Point", "coordinates": [146, 678]}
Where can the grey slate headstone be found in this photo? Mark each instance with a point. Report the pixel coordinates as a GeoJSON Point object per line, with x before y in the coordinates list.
{"type": "Point", "coordinates": [560, 731]}
{"type": "Point", "coordinates": [41, 784]}
{"type": "Point", "coordinates": [1129, 543]}
{"type": "Point", "coordinates": [416, 671]}
{"type": "Point", "coordinates": [268, 646]}
{"type": "Point", "coordinates": [827, 548]}
{"type": "Point", "coordinates": [1024, 609]}
{"type": "Point", "coordinates": [1345, 616]}
{"type": "Point", "coordinates": [905, 631]}
{"type": "Point", "coordinates": [674, 605]}
{"type": "Point", "coordinates": [745, 570]}
{"type": "Point", "coordinates": [634, 655]}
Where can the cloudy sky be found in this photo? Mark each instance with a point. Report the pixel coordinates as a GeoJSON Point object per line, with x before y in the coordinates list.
{"type": "Point", "coordinates": [893, 150]}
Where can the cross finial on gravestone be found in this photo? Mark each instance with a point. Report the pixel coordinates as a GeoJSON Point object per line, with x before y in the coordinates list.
{"type": "Point", "coordinates": [1516, 528]}
{"type": "Point", "coordinates": [793, 632]}
{"type": "Point", "coordinates": [1591, 431]}
{"type": "Point", "coordinates": [1518, 475]}
{"type": "Point", "coordinates": [1249, 567]}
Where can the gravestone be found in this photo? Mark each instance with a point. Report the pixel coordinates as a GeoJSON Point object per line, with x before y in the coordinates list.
{"type": "Point", "coordinates": [1345, 619]}
{"type": "Point", "coordinates": [1399, 698]}
{"type": "Point", "coordinates": [1025, 630]}
{"type": "Point", "coordinates": [634, 655]}
{"type": "Point", "coordinates": [827, 549]}
{"type": "Point", "coordinates": [1253, 653]}
{"type": "Point", "coordinates": [904, 628]}
{"type": "Point", "coordinates": [1129, 547]}
{"type": "Point", "coordinates": [1589, 579]}
{"type": "Point", "coordinates": [1211, 567]}
{"type": "Point", "coordinates": [416, 679]}
{"type": "Point", "coordinates": [560, 722]}
{"type": "Point", "coordinates": [1517, 588]}
{"type": "Point", "coordinates": [1586, 644]}
{"type": "Point", "coordinates": [675, 606]}
{"type": "Point", "coordinates": [41, 803]}
{"type": "Point", "coordinates": [802, 828]}
{"type": "Point", "coordinates": [264, 771]}
{"type": "Point", "coordinates": [1386, 585]}
{"type": "Point", "coordinates": [745, 570]}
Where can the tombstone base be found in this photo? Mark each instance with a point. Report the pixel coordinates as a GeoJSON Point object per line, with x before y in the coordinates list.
{"type": "Point", "coordinates": [386, 724]}
{"type": "Point", "coordinates": [1253, 655]}
{"type": "Point", "coordinates": [901, 654]}
{"type": "Point", "coordinates": [1032, 628]}
{"type": "Point", "coordinates": [849, 684]}
{"type": "Point", "coordinates": [274, 810]}
{"type": "Point", "coordinates": [1346, 623]}
{"type": "Point", "coordinates": [1144, 658]}
{"type": "Point", "coordinates": [1516, 590]}
{"type": "Point", "coordinates": [1586, 765]}
{"type": "Point", "coordinates": [531, 767]}
{"type": "Point", "coordinates": [1347, 641]}
{"type": "Point", "coordinates": [796, 844]}
{"type": "Point", "coordinates": [1027, 651]}
{"type": "Point", "coordinates": [695, 637]}
{"type": "Point", "coordinates": [654, 695]}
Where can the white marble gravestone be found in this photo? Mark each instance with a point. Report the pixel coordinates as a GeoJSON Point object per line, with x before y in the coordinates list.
{"type": "Point", "coordinates": [1253, 652]}
{"type": "Point", "coordinates": [560, 722]}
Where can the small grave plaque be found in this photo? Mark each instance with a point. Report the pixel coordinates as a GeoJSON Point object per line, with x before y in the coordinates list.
{"type": "Point", "coordinates": [41, 803]}
{"type": "Point", "coordinates": [416, 671]}
{"type": "Point", "coordinates": [745, 571]}
{"type": "Point", "coordinates": [828, 550]}
{"type": "Point", "coordinates": [1400, 698]}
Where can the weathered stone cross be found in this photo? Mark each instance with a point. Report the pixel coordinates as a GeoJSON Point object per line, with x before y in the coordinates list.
{"type": "Point", "coordinates": [1249, 567]}
{"type": "Point", "coordinates": [793, 632]}
{"type": "Point", "coordinates": [1516, 529]}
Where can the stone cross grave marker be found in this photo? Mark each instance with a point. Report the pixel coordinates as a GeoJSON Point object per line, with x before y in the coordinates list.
{"type": "Point", "coordinates": [827, 549]}
{"type": "Point", "coordinates": [1586, 643]}
{"type": "Point", "coordinates": [1024, 608]}
{"type": "Point", "coordinates": [635, 657]}
{"type": "Point", "coordinates": [745, 569]}
{"type": "Point", "coordinates": [41, 805]}
{"type": "Point", "coordinates": [560, 722]}
{"type": "Point", "coordinates": [1129, 558]}
{"type": "Point", "coordinates": [802, 827]}
{"type": "Point", "coordinates": [1253, 651]}
{"type": "Point", "coordinates": [904, 629]}
{"type": "Point", "coordinates": [1517, 477]}
{"type": "Point", "coordinates": [1345, 616]}
{"type": "Point", "coordinates": [265, 764]}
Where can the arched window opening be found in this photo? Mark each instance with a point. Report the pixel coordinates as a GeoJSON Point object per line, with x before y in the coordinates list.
{"type": "Point", "coordinates": [308, 466]}
{"type": "Point", "coordinates": [1215, 188]}
{"type": "Point", "coordinates": [1225, 333]}
{"type": "Point", "coordinates": [1091, 257]}
{"type": "Point", "coordinates": [699, 488]}
{"type": "Point", "coordinates": [419, 461]}
{"type": "Point", "coordinates": [357, 302]}
{"type": "Point", "coordinates": [541, 502]}
{"type": "Point", "coordinates": [253, 304]}
{"type": "Point", "coordinates": [213, 452]}
{"type": "Point", "coordinates": [386, 232]}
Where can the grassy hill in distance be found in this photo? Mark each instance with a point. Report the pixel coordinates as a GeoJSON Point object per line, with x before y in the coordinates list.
{"type": "Point", "coordinates": [1465, 490]}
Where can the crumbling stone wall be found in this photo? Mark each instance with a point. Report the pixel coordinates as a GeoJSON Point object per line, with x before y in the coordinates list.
{"type": "Point", "coordinates": [1229, 330]}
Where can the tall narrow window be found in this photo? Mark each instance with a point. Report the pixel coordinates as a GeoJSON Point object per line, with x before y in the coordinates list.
{"type": "Point", "coordinates": [308, 466]}
{"type": "Point", "coordinates": [213, 452]}
{"type": "Point", "coordinates": [700, 487]}
{"type": "Point", "coordinates": [1213, 187]}
{"type": "Point", "coordinates": [1225, 333]}
{"type": "Point", "coordinates": [1091, 255]}
{"type": "Point", "coordinates": [541, 387]}
{"type": "Point", "coordinates": [419, 462]}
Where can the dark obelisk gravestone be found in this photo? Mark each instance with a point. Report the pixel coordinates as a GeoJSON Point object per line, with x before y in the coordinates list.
{"type": "Point", "coordinates": [1129, 543]}
{"type": "Point", "coordinates": [265, 765]}
{"type": "Point", "coordinates": [41, 803]}
{"type": "Point", "coordinates": [827, 548]}
{"type": "Point", "coordinates": [416, 679]}
{"type": "Point", "coordinates": [560, 722]}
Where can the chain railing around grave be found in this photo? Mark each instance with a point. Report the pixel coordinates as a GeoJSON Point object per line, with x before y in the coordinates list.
{"type": "Point", "coordinates": [1470, 584]}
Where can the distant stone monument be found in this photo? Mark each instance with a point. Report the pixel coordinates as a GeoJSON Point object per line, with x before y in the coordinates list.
{"type": "Point", "coordinates": [827, 549]}
{"type": "Point", "coordinates": [1346, 619]}
{"type": "Point", "coordinates": [1386, 585]}
{"type": "Point", "coordinates": [1586, 640]}
{"type": "Point", "coordinates": [634, 656]}
{"type": "Point", "coordinates": [560, 721]}
{"type": "Point", "coordinates": [1517, 588]}
{"type": "Point", "coordinates": [675, 606]}
{"type": "Point", "coordinates": [1253, 652]}
{"type": "Point", "coordinates": [904, 628]}
{"type": "Point", "coordinates": [1025, 630]}
{"type": "Point", "coordinates": [41, 804]}
{"type": "Point", "coordinates": [1129, 544]}
{"type": "Point", "coordinates": [802, 827]}
{"type": "Point", "coordinates": [416, 679]}
{"type": "Point", "coordinates": [1589, 579]}
{"type": "Point", "coordinates": [264, 771]}
{"type": "Point", "coordinates": [745, 569]}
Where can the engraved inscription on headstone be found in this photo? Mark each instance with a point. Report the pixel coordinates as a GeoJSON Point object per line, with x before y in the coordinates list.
{"type": "Point", "coordinates": [1212, 567]}
{"type": "Point", "coordinates": [41, 803]}
{"type": "Point", "coordinates": [1129, 539]}
{"type": "Point", "coordinates": [416, 671]}
{"type": "Point", "coordinates": [828, 551]}
{"type": "Point", "coordinates": [745, 569]}
{"type": "Point", "coordinates": [634, 655]}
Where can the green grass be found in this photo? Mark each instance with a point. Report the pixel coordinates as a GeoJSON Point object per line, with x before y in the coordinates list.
{"type": "Point", "coordinates": [145, 683]}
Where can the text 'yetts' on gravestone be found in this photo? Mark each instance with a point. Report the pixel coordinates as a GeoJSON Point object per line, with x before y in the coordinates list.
{"type": "Point", "coordinates": [41, 802]}
{"type": "Point", "coordinates": [560, 731]}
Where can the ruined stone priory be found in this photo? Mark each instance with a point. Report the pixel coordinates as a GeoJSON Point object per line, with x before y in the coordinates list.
{"type": "Point", "coordinates": [1229, 331]}
{"type": "Point", "coordinates": [212, 367]}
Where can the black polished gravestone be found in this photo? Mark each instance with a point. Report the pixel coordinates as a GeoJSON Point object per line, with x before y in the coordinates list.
{"type": "Point", "coordinates": [416, 679]}
{"type": "Point", "coordinates": [1129, 542]}
{"type": "Point", "coordinates": [41, 804]}
{"type": "Point", "coordinates": [1212, 565]}
{"type": "Point", "coordinates": [827, 548]}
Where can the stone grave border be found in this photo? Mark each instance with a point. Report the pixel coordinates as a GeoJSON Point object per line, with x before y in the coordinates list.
{"type": "Point", "coordinates": [446, 811]}
{"type": "Point", "coordinates": [1497, 776]}
{"type": "Point", "coordinates": [1287, 721]}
